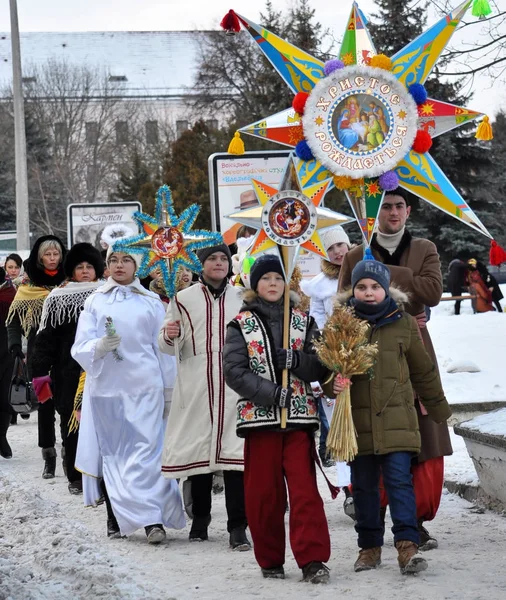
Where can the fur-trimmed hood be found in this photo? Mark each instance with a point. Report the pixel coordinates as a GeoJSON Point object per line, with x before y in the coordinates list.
{"type": "Point", "coordinates": [400, 297]}
{"type": "Point", "coordinates": [35, 271]}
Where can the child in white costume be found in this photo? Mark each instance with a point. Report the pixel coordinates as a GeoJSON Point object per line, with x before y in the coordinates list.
{"type": "Point", "coordinates": [122, 427]}
{"type": "Point", "coordinates": [322, 291]}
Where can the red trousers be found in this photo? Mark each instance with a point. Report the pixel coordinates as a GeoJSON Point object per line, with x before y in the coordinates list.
{"type": "Point", "coordinates": [428, 479]}
{"type": "Point", "coordinates": [274, 461]}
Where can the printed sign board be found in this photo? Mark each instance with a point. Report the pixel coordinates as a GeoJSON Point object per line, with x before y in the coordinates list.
{"type": "Point", "coordinates": [85, 222]}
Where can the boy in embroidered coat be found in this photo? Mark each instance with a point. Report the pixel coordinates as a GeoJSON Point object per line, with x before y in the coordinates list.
{"type": "Point", "coordinates": [200, 437]}
{"type": "Point", "coordinates": [275, 457]}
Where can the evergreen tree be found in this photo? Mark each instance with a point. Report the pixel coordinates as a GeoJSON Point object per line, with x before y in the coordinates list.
{"type": "Point", "coordinates": [185, 169]}
{"type": "Point", "coordinates": [459, 154]}
{"type": "Point", "coordinates": [398, 22]}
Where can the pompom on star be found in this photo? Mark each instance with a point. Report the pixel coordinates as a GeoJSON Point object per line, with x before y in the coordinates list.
{"type": "Point", "coordinates": [167, 241]}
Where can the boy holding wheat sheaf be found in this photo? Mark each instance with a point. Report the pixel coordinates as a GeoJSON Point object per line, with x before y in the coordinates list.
{"type": "Point", "coordinates": [383, 411]}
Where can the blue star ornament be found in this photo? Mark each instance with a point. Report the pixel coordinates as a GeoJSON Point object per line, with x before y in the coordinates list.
{"type": "Point", "coordinates": [167, 242]}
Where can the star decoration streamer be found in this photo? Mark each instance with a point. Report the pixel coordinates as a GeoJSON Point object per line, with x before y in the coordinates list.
{"type": "Point", "coordinates": [360, 121]}
{"type": "Point", "coordinates": [167, 242]}
{"type": "Point", "coordinates": [289, 217]}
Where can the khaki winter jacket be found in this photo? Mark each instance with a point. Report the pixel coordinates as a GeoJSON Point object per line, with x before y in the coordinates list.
{"type": "Point", "coordinates": [414, 268]}
{"type": "Point", "coordinates": [383, 408]}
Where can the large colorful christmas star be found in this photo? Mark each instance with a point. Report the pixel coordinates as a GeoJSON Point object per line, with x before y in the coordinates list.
{"type": "Point", "coordinates": [167, 241]}
{"type": "Point", "coordinates": [289, 218]}
{"type": "Point", "coordinates": [417, 171]}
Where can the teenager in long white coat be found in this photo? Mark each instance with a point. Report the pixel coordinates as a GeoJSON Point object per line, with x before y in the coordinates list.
{"type": "Point", "coordinates": [201, 432]}
{"type": "Point", "coordinates": [122, 425]}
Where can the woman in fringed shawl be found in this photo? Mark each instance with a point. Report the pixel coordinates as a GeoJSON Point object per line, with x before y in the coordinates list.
{"type": "Point", "coordinates": [43, 272]}
{"type": "Point", "coordinates": [51, 359]}
{"type": "Point", "coordinates": [7, 293]}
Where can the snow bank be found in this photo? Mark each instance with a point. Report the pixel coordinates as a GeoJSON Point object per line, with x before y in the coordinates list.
{"type": "Point", "coordinates": [493, 423]}
{"type": "Point", "coordinates": [44, 555]}
{"type": "Point", "coordinates": [469, 338]}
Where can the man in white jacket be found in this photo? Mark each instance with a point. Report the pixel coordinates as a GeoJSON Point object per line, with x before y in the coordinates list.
{"type": "Point", "coordinates": [201, 431]}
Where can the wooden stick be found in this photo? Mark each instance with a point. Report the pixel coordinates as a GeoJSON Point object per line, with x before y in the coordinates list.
{"type": "Point", "coordinates": [286, 330]}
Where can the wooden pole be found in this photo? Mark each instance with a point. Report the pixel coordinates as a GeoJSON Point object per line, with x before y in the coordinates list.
{"type": "Point", "coordinates": [286, 330]}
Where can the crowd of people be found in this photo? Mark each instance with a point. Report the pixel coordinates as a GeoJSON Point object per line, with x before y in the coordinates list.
{"type": "Point", "coordinates": [151, 391]}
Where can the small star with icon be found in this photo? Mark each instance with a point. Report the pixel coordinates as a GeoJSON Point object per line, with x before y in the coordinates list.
{"type": "Point", "coordinates": [318, 121]}
{"type": "Point", "coordinates": [402, 114]}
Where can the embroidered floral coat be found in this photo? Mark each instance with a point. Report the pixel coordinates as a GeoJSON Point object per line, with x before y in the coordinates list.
{"type": "Point", "coordinates": [250, 370]}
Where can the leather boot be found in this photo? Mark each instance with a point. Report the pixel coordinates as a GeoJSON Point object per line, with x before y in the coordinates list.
{"type": "Point", "coordinates": [410, 561]}
{"type": "Point", "coordinates": [368, 559]}
{"type": "Point", "coordinates": [49, 456]}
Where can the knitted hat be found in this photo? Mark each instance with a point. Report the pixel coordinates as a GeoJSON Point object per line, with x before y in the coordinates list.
{"type": "Point", "coordinates": [137, 257]}
{"type": "Point", "coordinates": [205, 253]}
{"type": "Point", "coordinates": [267, 263]}
{"type": "Point", "coordinates": [335, 235]}
{"type": "Point", "coordinates": [83, 253]}
{"type": "Point", "coordinates": [370, 268]}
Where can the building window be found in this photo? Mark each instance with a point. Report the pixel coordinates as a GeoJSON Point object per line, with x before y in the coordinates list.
{"type": "Point", "coordinates": [212, 123]}
{"type": "Point", "coordinates": [152, 132]}
{"type": "Point", "coordinates": [117, 78]}
{"type": "Point", "coordinates": [28, 80]}
{"type": "Point", "coordinates": [60, 134]}
{"type": "Point", "coordinates": [121, 133]}
{"type": "Point", "coordinates": [181, 127]}
{"type": "Point", "coordinates": [91, 133]}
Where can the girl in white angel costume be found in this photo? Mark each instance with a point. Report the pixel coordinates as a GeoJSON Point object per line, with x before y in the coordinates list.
{"type": "Point", "coordinates": [125, 404]}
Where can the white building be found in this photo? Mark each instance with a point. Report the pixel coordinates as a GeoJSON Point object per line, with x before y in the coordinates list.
{"type": "Point", "coordinates": [153, 67]}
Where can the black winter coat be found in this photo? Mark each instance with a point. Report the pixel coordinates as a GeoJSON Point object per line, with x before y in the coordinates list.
{"type": "Point", "coordinates": [238, 374]}
{"type": "Point", "coordinates": [51, 355]}
{"type": "Point", "coordinates": [456, 281]}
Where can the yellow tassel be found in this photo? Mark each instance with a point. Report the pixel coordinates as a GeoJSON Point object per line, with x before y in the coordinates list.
{"type": "Point", "coordinates": [381, 61]}
{"type": "Point", "coordinates": [236, 145]}
{"type": "Point", "coordinates": [484, 131]}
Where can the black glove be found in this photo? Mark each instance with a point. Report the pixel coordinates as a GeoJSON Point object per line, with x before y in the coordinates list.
{"type": "Point", "coordinates": [17, 352]}
{"type": "Point", "coordinates": [283, 397]}
{"type": "Point", "coordinates": [286, 359]}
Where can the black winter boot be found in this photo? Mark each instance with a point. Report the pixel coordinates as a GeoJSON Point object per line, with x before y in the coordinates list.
{"type": "Point", "coordinates": [5, 449]}
{"type": "Point", "coordinates": [49, 456]}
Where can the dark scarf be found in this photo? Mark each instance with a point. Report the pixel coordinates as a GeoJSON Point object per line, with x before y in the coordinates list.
{"type": "Point", "coordinates": [216, 292]}
{"type": "Point", "coordinates": [376, 314]}
{"type": "Point", "coordinates": [392, 259]}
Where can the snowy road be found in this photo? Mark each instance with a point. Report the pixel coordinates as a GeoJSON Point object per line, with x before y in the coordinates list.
{"type": "Point", "coordinates": [53, 548]}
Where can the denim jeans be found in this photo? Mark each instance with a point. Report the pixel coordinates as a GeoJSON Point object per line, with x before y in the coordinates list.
{"type": "Point", "coordinates": [324, 428]}
{"type": "Point", "coordinates": [396, 470]}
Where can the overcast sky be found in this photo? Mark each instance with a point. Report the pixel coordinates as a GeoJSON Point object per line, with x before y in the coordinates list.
{"type": "Point", "coordinates": [159, 15]}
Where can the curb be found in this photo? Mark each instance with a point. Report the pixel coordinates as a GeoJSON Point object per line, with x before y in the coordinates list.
{"type": "Point", "coordinates": [475, 495]}
{"type": "Point", "coordinates": [481, 407]}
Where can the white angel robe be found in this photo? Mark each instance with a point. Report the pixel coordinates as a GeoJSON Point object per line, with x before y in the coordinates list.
{"type": "Point", "coordinates": [121, 430]}
{"type": "Point", "coordinates": [201, 431]}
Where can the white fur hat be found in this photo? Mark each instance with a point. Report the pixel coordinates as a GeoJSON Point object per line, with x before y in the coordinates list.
{"type": "Point", "coordinates": [135, 255]}
{"type": "Point", "coordinates": [335, 235]}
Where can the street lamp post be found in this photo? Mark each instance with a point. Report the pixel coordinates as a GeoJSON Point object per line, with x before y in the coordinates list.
{"type": "Point", "coordinates": [22, 215]}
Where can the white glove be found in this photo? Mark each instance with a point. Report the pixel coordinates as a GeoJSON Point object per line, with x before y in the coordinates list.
{"type": "Point", "coordinates": [167, 396]}
{"type": "Point", "coordinates": [106, 344]}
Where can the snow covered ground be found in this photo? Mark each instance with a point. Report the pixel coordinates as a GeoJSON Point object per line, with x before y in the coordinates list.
{"type": "Point", "coordinates": [51, 548]}
{"type": "Point", "coordinates": [480, 339]}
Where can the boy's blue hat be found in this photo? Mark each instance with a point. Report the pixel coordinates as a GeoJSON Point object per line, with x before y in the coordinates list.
{"type": "Point", "coordinates": [370, 268]}
{"type": "Point", "coordinates": [266, 263]}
